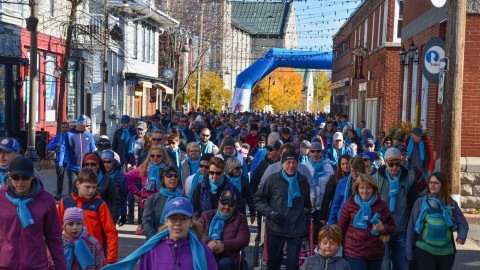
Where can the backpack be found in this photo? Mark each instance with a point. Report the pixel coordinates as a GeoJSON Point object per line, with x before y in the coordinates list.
{"type": "Point", "coordinates": [436, 237]}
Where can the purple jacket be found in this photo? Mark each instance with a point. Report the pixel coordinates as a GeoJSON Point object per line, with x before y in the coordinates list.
{"type": "Point", "coordinates": [26, 248]}
{"type": "Point", "coordinates": [236, 234]}
{"type": "Point", "coordinates": [168, 255]}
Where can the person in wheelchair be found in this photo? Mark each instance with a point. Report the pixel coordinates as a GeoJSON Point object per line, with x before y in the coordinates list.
{"type": "Point", "coordinates": [227, 232]}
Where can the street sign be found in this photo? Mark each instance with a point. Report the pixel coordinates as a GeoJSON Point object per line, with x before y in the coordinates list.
{"type": "Point", "coordinates": [443, 64]}
{"type": "Point", "coordinates": [441, 87]}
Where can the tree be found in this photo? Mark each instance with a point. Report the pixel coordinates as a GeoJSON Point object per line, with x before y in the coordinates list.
{"type": "Point", "coordinates": [321, 94]}
{"type": "Point", "coordinates": [212, 94]}
{"type": "Point", "coordinates": [285, 95]}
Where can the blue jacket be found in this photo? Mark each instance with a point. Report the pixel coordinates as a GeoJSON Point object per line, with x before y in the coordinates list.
{"type": "Point", "coordinates": [59, 150]}
{"type": "Point", "coordinates": [328, 153]}
{"type": "Point", "coordinates": [338, 201]}
{"type": "Point", "coordinates": [77, 144]}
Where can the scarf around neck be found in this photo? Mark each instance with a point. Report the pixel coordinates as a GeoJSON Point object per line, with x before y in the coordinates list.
{"type": "Point", "coordinates": [318, 170]}
{"type": "Point", "coordinates": [215, 231]}
{"type": "Point", "coordinates": [194, 165]}
{"type": "Point", "coordinates": [79, 249]}
{"type": "Point", "coordinates": [214, 186]}
{"type": "Point", "coordinates": [362, 217]}
{"type": "Point", "coordinates": [423, 213]}
{"type": "Point", "coordinates": [23, 212]}
{"type": "Point", "coordinates": [336, 153]}
{"type": "Point", "coordinates": [236, 181]}
{"type": "Point", "coordinates": [207, 148]}
{"type": "Point", "coordinates": [125, 134]}
{"type": "Point", "coordinates": [154, 173]}
{"type": "Point", "coordinates": [421, 148]}
{"type": "Point", "coordinates": [170, 195]}
{"type": "Point", "coordinates": [293, 187]}
{"type": "Point", "coordinates": [198, 253]}
{"type": "Point", "coordinates": [195, 181]}
{"type": "Point", "coordinates": [348, 186]}
{"type": "Point", "coordinates": [394, 189]}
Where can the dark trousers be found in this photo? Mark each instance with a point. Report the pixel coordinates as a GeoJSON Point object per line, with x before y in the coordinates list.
{"type": "Point", "coordinates": [425, 260]}
{"type": "Point", "coordinates": [317, 225]}
{"type": "Point", "coordinates": [60, 175]}
{"type": "Point", "coordinates": [224, 262]}
{"type": "Point", "coordinates": [357, 264]}
{"type": "Point", "coordinates": [71, 177]}
{"type": "Point", "coordinates": [275, 246]}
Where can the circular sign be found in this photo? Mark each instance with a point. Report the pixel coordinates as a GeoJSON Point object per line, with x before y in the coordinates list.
{"type": "Point", "coordinates": [433, 52]}
{"type": "Point", "coordinates": [438, 3]}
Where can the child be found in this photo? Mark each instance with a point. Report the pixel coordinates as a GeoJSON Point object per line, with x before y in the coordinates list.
{"type": "Point", "coordinates": [98, 220]}
{"type": "Point", "coordinates": [81, 249]}
{"type": "Point", "coordinates": [328, 252]}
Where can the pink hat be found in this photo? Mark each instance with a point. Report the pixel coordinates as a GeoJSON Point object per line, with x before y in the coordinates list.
{"type": "Point", "coordinates": [73, 214]}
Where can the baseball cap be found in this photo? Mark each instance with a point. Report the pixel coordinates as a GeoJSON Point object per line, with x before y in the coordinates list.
{"type": "Point", "coordinates": [21, 165]}
{"type": "Point", "coordinates": [9, 145]}
{"type": "Point", "coordinates": [179, 205]}
{"type": "Point", "coordinates": [369, 155]}
{"type": "Point", "coordinates": [83, 120]}
{"type": "Point", "coordinates": [417, 131]}
{"type": "Point", "coordinates": [305, 144]}
{"type": "Point", "coordinates": [368, 141]}
{"type": "Point", "coordinates": [228, 196]}
{"type": "Point", "coordinates": [141, 125]}
{"type": "Point", "coordinates": [316, 145]}
{"type": "Point", "coordinates": [275, 146]}
{"type": "Point", "coordinates": [338, 136]}
{"type": "Point", "coordinates": [125, 118]}
{"type": "Point", "coordinates": [393, 153]}
{"type": "Point", "coordinates": [168, 169]}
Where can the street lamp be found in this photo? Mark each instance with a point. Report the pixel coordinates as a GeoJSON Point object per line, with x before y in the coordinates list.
{"type": "Point", "coordinates": [412, 51]}
{"type": "Point", "coordinates": [403, 57]}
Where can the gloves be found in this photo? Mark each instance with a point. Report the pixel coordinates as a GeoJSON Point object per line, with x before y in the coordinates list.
{"type": "Point", "coordinates": [122, 221]}
{"type": "Point", "coordinates": [60, 170]}
{"type": "Point", "coordinates": [275, 216]}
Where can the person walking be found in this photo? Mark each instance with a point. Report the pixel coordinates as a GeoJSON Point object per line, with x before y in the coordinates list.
{"type": "Point", "coordinates": [60, 160]}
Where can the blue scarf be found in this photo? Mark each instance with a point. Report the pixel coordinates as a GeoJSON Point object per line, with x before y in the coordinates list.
{"type": "Point", "coordinates": [293, 187]}
{"type": "Point", "coordinates": [236, 181]}
{"type": "Point", "coordinates": [194, 165]}
{"type": "Point", "coordinates": [80, 250]}
{"type": "Point", "coordinates": [177, 160]}
{"type": "Point", "coordinates": [364, 213]}
{"type": "Point", "coordinates": [198, 253]}
{"type": "Point", "coordinates": [303, 159]}
{"type": "Point", "coordinates": [125, 134]}
{"type": "Point", "coordinates": [195, 181]}
{"type": "Point", "coordinates": [154, 173]}
{"type": "Point", "coordinates": [170, 195]}
{"type": "Point", "coordinates": [2, 178]}
{"type": "Point", "coordinates": [131, 145]}
{"type": "Point", "coordinates": [338, 153]}
{"type": "Point", "coordinates": [207, 148]}
{"type": "Point", "coordinates": [348, 186]}
{"type": "Point", "coordinates": [318, 170]}
{"type": "Point", "coordinates": [375, 219]}
{"type": "Point", "coordinates": [100, 176]}
{"type": "Point", "coordinates": [421, 147]}
{"type": "Point", "coordinates": [217, 225]}
{"type": "Point", "coordinates": [214, 186]}
{"type": "Point", "coordinates": [394, 189]}
{"type": "Point", "coordinates": [23, 212]}
{"type": "Point", "coordinates": [423, 213]}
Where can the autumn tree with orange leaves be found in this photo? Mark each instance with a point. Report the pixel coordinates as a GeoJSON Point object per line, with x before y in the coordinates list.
{"type": "Point", "coordinates": [285, 93]}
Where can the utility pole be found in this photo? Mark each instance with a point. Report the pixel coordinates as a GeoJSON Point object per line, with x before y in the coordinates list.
{"type": "Point", "coordinates": [103, 124]}
{"type": "Point", "coordinates": [452, 108]}
{"type": "Point", "coordinates": [199, 69]}
{"type": "Point", "coordinates": [32, 23]}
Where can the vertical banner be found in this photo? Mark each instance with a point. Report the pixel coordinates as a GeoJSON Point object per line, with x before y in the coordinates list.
{"type": "Point", "coordinates": [241, 100]}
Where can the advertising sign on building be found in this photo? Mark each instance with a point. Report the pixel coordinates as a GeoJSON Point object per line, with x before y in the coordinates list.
{"type": "Point", "coordinates": [433, 53]}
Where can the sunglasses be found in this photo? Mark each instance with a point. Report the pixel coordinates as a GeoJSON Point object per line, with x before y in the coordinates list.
{"type": "Point", "coordinates": [17, 177]}
{"type": "Point", "coordinates": [396, 164]}
{"type": "Point", "coordinates": [107, 161]}
{"type": "Point", "coordinates": [315, 151]}
{"type": "Point", "coordinates": [216, 173]}
{"type": "Point", "coordinates": [227, 202]}
{"type": "Point", "coordinates": [238, 168]}
{"type": "Point", "coordinates": [204, 166]}
{"type": "Point", "coordinates": [366, 159]}
{"type": "Point", "coordinates": [171, 175]}
{"type": "Point", "coordinates": [90, 164]}
{"type": "Point", "coordinates": [155, 156]}
{"type": "Point", "coordinates": [156, 139]}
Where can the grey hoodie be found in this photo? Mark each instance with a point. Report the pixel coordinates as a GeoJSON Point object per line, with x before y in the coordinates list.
{"type": "Point", "coordinates": [320, 262]}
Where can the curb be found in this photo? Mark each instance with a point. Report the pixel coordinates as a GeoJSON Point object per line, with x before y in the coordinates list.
{"type": "Point", "coordinates": [472, 218]}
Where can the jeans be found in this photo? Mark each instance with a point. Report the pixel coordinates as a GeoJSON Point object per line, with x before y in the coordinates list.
{"type": "Point", "coordinates": [357, 264]}
{"type": "Point", "coordinates": [60, 175]}
{"type": "Point", "coordinates": [224, 263]}
{"type": "Point", "coordinates": [395, 258]}
{"type": "Point", "coordinates": [71, 177]}
{"type": "Point", "coordinates": [275, 246]}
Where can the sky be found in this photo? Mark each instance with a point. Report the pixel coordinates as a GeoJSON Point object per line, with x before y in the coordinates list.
{"type": "Point", "coordinates": [318, 20]}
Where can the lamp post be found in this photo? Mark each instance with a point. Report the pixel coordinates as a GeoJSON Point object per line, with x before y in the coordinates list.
{"type": "Point", "coordinates": [103, 124]}
{"type": "Point", "coordinates": [199, 69]}
{"type": "Point", "coordinates": [32, 23]}
{"type": "Point", "coordinates": [412, 51]}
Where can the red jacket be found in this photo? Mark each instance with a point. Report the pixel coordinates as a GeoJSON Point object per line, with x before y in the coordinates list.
{"type": "Point", "coordinates": [97, 221]}
{"type": "Point", "coordinates": [359, 243]}
{"type": "Point", "coordinates": [252, 141]}
{"type": "Point", "coordinates": [235, 237]}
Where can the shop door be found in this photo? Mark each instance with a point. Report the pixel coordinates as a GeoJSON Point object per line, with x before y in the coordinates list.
{"type": "Point", "coordinates": [137, 106]}
{"type": "Point", "coordinates": [9, 101]}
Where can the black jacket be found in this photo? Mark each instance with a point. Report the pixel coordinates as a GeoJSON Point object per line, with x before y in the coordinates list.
{"type": "Point", "coordinates": [119, 145]}
{"type": "Point", "coordinates": [273, 196]}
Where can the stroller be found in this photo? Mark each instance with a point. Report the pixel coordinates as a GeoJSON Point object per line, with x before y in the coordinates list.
{"type": "Point", "coordinates": [260, 254]}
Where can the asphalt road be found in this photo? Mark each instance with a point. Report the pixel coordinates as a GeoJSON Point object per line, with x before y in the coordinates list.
{"type": "Point", "coordinates": [468, 256]}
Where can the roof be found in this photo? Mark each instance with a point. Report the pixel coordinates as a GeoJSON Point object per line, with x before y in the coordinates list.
{"type": "Point", "coordinates": [261, 18]}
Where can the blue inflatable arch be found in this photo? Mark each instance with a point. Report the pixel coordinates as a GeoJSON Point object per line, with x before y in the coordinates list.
{"type": "Point", "coordinates": [271, 60]}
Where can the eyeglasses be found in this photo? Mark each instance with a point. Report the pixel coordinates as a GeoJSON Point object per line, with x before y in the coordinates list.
{"type": "Point", "coordinates": [171, 175]}
{"type": "Point", "coordinates": [90, 164]}
{"type": "Point", "coordinates": [17, 177]}
{"type": "Point", "coordinates": [396, 164]}
{"type": "Point", "coordinates": [366, 159]}
{"type": "Point", "coordinates": [204, 166]}
{"type": "Point", "coordinates": [227, 202]}
{"type": "Point", "coordinates": [238, 168]}
{"type": "Point", "coordinates": [355, 172]}
{"type": "Point", "coordinates": [216, 173]}
{"type": "Point", "coordinates": [205, 135]}
{"type": "Point", "coordinates": [107, 161]}
{"type": "Point", "coordinates": [156, 139]}
{"type": "Point", "coordinates": [155, 156]}
{"type": "Point", "coordinates": [315, 151]}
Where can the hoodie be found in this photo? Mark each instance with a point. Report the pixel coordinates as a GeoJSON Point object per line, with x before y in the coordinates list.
{"type": "Point", "coordinates": [318, 261]}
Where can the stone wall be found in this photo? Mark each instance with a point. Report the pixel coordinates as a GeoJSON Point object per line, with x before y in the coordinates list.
{"type": "Point", "coordinates": [470, 189]}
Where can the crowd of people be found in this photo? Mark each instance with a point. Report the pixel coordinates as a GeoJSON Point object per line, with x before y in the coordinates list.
{"type": "Point", "coordinates": [196, 182]}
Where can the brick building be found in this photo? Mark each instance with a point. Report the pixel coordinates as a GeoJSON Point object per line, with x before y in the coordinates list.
{"type": "Point", "coordinates": [366, 66]}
